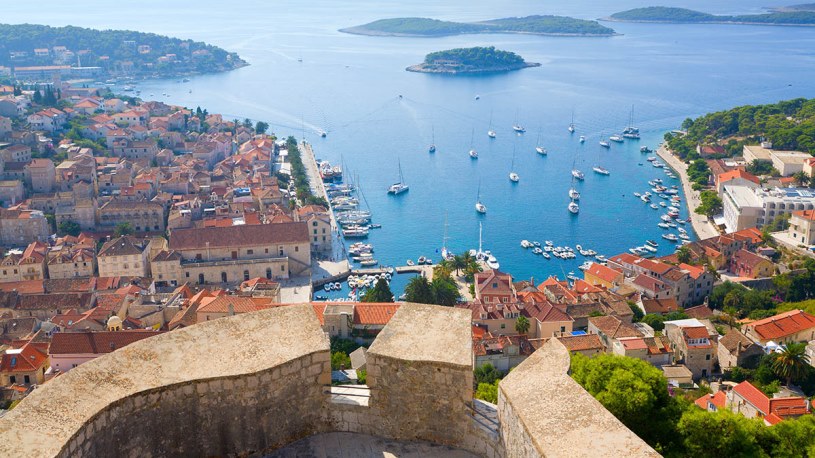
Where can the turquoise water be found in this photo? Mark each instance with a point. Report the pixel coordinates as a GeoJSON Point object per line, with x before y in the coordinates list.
{"type": "Point", "coordinates": [349, 86]}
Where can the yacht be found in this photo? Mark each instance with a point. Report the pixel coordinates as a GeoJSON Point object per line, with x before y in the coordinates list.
{"type": "Point", "coordinates": [518, 128]}
{"type": "Point", "coordinates": [582, 139]}
{"type": "Point", "coordinates": [479, 207]}
{"type": "Point", "coordinates": [473, 154]}
{"type": "Point", "coordinates": [541, 150]}
{"type": "Point", "coordinates": [652, 243]}
{"type": "Point", "coordinates": [577, 174]}
{"type": "Point", "coordinates": [574, 194]}
{"type": "Point", "coordinates": [631, 131]}
{"type": "Point", "coordinates": [573, 207]}
{"type": "Point", "coordinates": [400, 186]}
{"type": "Point", "coordinates": [601, 170]}
{"type": "Point", "coordinates": [671, 237]}
{"type": "Point", "coordinates": [490, 132]}
{"type": "Point", "coordinates": [432, 148]}
{"type": "Point", "coordinates": [616, 138]}
{"type": "Point", "coordinates": [526, 244]}
{"type": "Point", "coordinates": [512, 175]}
{"type": "Point", "coordinates": [604, 143]}
{"type": "Point", "coordinates": [645, 149]}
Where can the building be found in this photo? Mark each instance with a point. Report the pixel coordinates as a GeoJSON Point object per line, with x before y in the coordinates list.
{"type": "Point", "coordinates": [656, 351]}
{"type": "Point", "coordinates": [503, 352]}
{"type": "Point", "coordinates": [16, 153]}
{"type": "Point", "coordinates": [12, 192]}
{"type": "Point", "coordinates": [598, 274]}
{"type": "Point", "coordinates": [43, 175]}
{"type": "Point", "coordinates": [585, 344]}
{"type": "Point", "coordinates": [750, 402]}
{"type": "Point", "coordinates": [611, 329]}
{"type": "Point", "coordinates": [735, 348]}
{"type": "Point", "coordinates": [747, 264]}
{"type": "Point", "coordinates": [319, 227]}
{"type": "Point", "coordinates": [70, 349]}
{"type": "Point", "coordinates": [125, 256]}
{"type": "Point", "coordinates": [802, 227]}
{"type": "Point", "coordinates": [143, 216]}
{"type": "Point", "coordinates": [20, 227]}
{"type": "Point", "coordinates": [223, 306]}
{"type": "Point", "coordinates": [736, 177]}
{"type": "Point", "coordinates": [693, 345]}
{"type": "Point", "coordinates": [712, 402]}
{"type": "Point", "coordinates": [745, 207]}
{"type": "Point", "coordinates": [361, 321]}
{"type": "Point", "coordinates": [234, 254]}
{"type": "Point", "coordinates": [493, 286]}
{"type": "Point", "coordinates": [71, 263]}
{"type": "Point", "coordinates": [792, 326]}
{"type": "Point", "coordinates": [25, 365]}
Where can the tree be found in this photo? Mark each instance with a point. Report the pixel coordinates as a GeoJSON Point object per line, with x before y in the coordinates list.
{"type": "Point", "coordinates": [634, 391]}
{"type": "Point", "coordinates": [792, 362]}
{"type": "Point", "coordinates": [445, 292]}
{"type": "Point", "coordinates": [655, 321]}
{"type": "Point", "coordinates": [459, 262]}
{"type": "Point", "coordinates": [711, 204]}
{"type": "Point", "coordinates": [37, 97]}
{"type": "Point", "coordinates": [123, 229]}
{"type": "Point", "coordinates": [801, 178]}
{"type": "Point", "coordinates": [261, 127]}
{"type": "Point", "coordinates": [418, 290]}
{"type": "Point", "coordinates": [69, 227]}
{"type": "Point", "coordinates": [247, 123]}
{"type": "Point", "coordinates": [683, 254]}
{"type": "Point", "coordinates": [638, 313]}
{"type": "Point", "coordinates": [340, 360]}
{"type": "Point", "coordinates": [381, 292]}
{"type": "Point", "coordinates": [734, 434]}
{"type": "Point", "coordinates": [486, 374]}
{"type": "Point", "coordinates": [487, 392]}
{"type": "Point", "coordinates": [522, 325]}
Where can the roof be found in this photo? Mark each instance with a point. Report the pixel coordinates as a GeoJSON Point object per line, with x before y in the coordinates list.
{"type": "Point", "coordinates": [493, 282]}
{"type": "Point", "coordinates": [582, 342]}
{"type": "Point", "coordinates": [731, 341]}
{"type": "Point", "coordinates": [660, 305]}
{"type": "Point", "coordinates": [805, 214]}
{"type": "Point", "coordinates": [28, 358]}
{"type": "Point", "coordinates": [748, 258]}
{"type": "Point", "coordinates": [695, 332]}
{"type": "Point", "coordinates": [754, 396]}
{"type": "Point", "coordinates": [676, 371]}
{"type": "Point", "coordinates": [719, 400]}
{"type": "Point", "coordinates": [783, 324]}
{"type": "Point", "coordinates": [613, 327]}
{"type": "Point", "coordinates": [604, 273]}
{"type": "Point", "coordinates": [63, 343]}
{"type": "Point", "coordinates": [374, 313]}
{"type": "Point", "coordinates": [235, 236]}
{"type": "Point", "coordinates": [234, 304]}
{"type": "Point", "coordinates": [123, 246]}
{"type": "Point", "coordinates": [737, 173]}
{"type": "Point", "coordinates": [699, 312]}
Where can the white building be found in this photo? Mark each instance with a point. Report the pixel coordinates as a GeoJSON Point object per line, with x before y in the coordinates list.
{"type": "Point", "coordinates": [744, 207]}
{"type": "Point", "coordinates": [786, 162]}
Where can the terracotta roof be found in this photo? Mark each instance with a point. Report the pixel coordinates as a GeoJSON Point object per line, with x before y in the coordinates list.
{"type": "Point", "coordinates": [699, 312]}
{"type": "Point", "coordinates": [604, 273]}
{"type": "Point", "coordinates": [805, 214]}
{"type": "Point", "coordinates": [28, 358]}
{"type": "Point", "coordinates": [238, 304]}
{"type": "Point", "coordinates": [783, 324]}
{"type": "Point", "coordinates": [695, 332]}
{"type": "Point", "coordinates": [733, 174]}
{"type": "Point", "coordinates": [613, 327]}
{"type": "Point", "coordinates": [649, 283]}
{"type": "Point", "coordinates": [719, 400]}
{"type": "Point", "coordinates": [122, 246]}
{"type": "Point", "coordinates": [791, 406]}
{"type": "Point", "coordinates": [754, 396]}
{"type": "Point", "coordinates": [236, 236]}
{"type": "Point", "coordinates": [748, 258]}
{"type": "Point", "coordinates": [496, 345]}
{"type": "Point", "coordinates": [660, 305]}
{"type": "Point", "coordinates": [731, 340]}
{"type": "Point", "coordinates": [95, 342]}
{"type": "Point", "coordinates": [55, 301]}
{"type": "Point", "coordinates": [582, 342]}
{"type": "Point", "coordinates": [374, 313]}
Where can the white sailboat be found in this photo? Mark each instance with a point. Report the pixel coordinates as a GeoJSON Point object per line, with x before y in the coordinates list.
{"type": "Point", "coordinates": [432, 148]}
{"type": "Point", "coordinates": [490, 132]}
{"type": "Point", "coordinates": [577, 174]}
{"type": "Point", "coordinates": [479, 207]}
{"type": "Point", "coordinates": [513, 177]}
{"type": "Point", "coordinates": [517, 127]}
{"type": "Point", "coordinates": [604, 143]}
{"type": "Point", "coordinates": [600, 169]}
{"type": "Point", "coordinates": [400, 186]}
{"type": "Point", "coordinates": [541, 150]}
{"type": "Point", "coordinates": [631, 131]}
{"type": "Point", "coordinates": [445, 253]}
{"type": "Point", "coordinates": [473, 153]}
{"type": "Point", "coordinates": [582, 139]}
{"type": "Point", "coordinates": [571, 124]}
{"type": "Point", "coordinates": [484, 256]}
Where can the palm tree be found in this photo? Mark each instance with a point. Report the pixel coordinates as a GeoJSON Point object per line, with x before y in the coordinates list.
{"type": "Point", "coordinates": [791, 362]}
{"type": "Point", "coordinates": [801, 178]}
{"type": "Point", "coordinates": [459, 262]}
{"type": "Point", "coordinates": [522, 324]}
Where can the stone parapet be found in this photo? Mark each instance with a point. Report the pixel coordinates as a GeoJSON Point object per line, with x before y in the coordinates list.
{"type": "Point", "coordinates": [544, 412]}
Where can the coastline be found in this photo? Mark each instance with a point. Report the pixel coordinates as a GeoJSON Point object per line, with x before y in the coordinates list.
{"type": "Point", "coordinates": [378, 33]}
{"type": "Point", "coordinates": [644, 21]}
{"type": "Point", "coordinates": [425, 68]}
{"type": "Point", "coordinates": [701, 224]}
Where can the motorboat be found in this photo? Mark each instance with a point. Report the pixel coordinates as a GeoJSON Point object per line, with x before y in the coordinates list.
{"type": "Point", "coordinates": [578, 175]}
{"type": "Point", "coordinates": [537, 251]}
{"type": "Point", "coordinates": [526, 244]}
{"type": "Point", "coordinates": [601, 170]}
{"type": "Point", "coordinates": [616, 139]}
{"type": "Point", "coordinates": [541, 150]}
{"type": "Point", "coordinates": [473, 154]}
{"type": "Point", "coordinates": [652, 243]}
{"type": "Point", "coordinates": [604, 144]}
{"type": "Point", "coordinates": [518, 128]}
{"type": "Point", "coordinates": [513, 177]}
{"type": "Point", "coordinates": [671, 237]}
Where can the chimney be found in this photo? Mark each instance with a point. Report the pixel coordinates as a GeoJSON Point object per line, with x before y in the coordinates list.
{"type": "Point", "coordinates": [738, 348]}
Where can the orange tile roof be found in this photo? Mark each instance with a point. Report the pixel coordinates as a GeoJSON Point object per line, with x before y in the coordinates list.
{"type": "Point", "coordinates": [805, 214]}
{"type": "Point", "coordinates": [733, 174]}
{"type": "Point", "coordinates": [238, 304]}
{"type": "Point", "coordinates": [374, 313]}
{"type": "Point", "coordinates": [694, 271]}
{"type": "Point", "coordinates": [754, 396]}
{"type": "Point", "coordinates": [26, 359]}
{"type": "Point", "coordinates": [783, 324]}
{"type": "Point", "coordinates": [582, 342]}
{"type": "Point", "coordinates": [719, 400]}
{"type": "Point", "coordinates": [695, 332]}
{"type": "Point", "coordinates": [604, 273]}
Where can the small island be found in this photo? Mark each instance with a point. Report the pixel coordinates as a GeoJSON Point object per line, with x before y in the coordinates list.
{"type": "Point", "coordinates": [794, 8]}
{"type": "Point", "coordinates": [535, 25]}
{"type": "Point", "coordinates": [663, 14]}
{"type": "Point", "coordinates": [471, 60]}
{"type": "Point", "coordinates": [77, 53]}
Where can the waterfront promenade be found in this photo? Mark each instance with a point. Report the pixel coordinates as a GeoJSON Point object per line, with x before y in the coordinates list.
{"type": "Point", "coordinates": [334, 264]}
{"type": "Point", "coordinates": [701, 225]}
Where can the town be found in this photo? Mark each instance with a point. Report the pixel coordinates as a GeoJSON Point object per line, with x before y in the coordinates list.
{"type": "Point", "coordinates": [125, 219]}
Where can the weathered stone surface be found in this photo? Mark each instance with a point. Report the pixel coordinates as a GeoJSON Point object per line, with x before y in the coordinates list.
{"type": "Point", "coordinates": [545, 413]}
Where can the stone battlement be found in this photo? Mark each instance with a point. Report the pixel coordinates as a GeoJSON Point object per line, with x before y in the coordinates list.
{"type": "Point", "coordinates": [249, 384]}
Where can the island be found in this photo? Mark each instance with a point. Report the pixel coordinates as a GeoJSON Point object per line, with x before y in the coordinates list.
{"type": "Point", "coordinates": [32, 52]}
{"type": "Point", "coordinates": [535, 25]}
{"type": "Point", "coordinates": [794, 8]}
{"type": "Point", "coordinates": [471, 60]}
{"type": "Point", "coordinates": [685, 16]}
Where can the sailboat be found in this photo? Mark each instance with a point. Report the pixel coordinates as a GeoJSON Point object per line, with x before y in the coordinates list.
{"type": "Point", "coordinates": [400, 186]}
{"type": "Point", "coordinates": [577, 174]}
{"type": "Point", "coordinates": [473, 153]}
{"type": "Point", "coordinates": [484, 256]}
{"type": "Point", "coordinates": [541, 150]}
{"type": "Point", "coordinates": [631, 131]}
{"type": "Point", "coordinates": [571, 124]}
{"type": "Point", "coordinates": [600, 169]}
{"type": "Point", "coordinates": [512, 175]}
{"type": "Point", "coordinates": [574, 196]}
{"type": "Point", "coordinates": [445, 253]}
{"type": "Point", "coordinates": [582, 139]}
{"type": "Point", "coordinates": [490, 132]}
{"type": "Point", "coordinates": [603, 142]}
{"type": "Point", "coordinates": [479, 207]}
{"type": "Point", "coordinates": [432, 148]}
{"type": "Point", "coordinates": [517, 127]}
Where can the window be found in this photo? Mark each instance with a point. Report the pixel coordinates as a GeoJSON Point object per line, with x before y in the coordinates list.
{"type": "Point", "coordinates": [269, 273]}
{"type": "Point", "coordinates": [707, 357]}
{"type": "Point", "coordinates": [12, 379]}
{"type": "Point", "coordinates": [563, 329]}
{"type": "Point", "coordinates": [314, 223]}
{"type": "Point", "coordinates": [234, 255]}
{"type": "Point", "coordinates": [250, 251]}
{"type": "Point", "coordinates": [503, 325]}
{"type": "Point", "coordinates": [280, 251]}
{"type": "Point", "coordinates": [187, 274]}
{"type": "Point", "coordinates": [267, 251]}
{"type": "Point", "coordinates": [223, 277]}
{"type": "Point", "coordinates": [245, 275]}
{"type": "Point", "coordinates": [495, 285]}
{"type": "Point", "coordinates": [26, 379]}
{"type": "Point", "coordinates": [198, 256]}
{"type": "Point", "coordinates": [201, 278]}
{"type": "Point", "coordinates": [296, 249]}
{"type": "Point", "coordinates": [282, 268]}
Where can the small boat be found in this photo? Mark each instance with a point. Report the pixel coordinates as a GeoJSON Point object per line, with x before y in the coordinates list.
{"type": "Point", "coordinates": [604, 144]}
{"type": "Point", "coordinates": [671, 237]}
{"type": "Point", "coordinates": [491, 133]}
{"type": "Point", "coordinates": [548, 243]}
{"type": "Point", "coordinates": [369, 262]}
{"type": "Point", "coordinates": [479, 207]}
{"type": "Point", "coordinates": [578, 175]}
{"type": "Point", "coordinates": [537, 244]}
{"type": "Point", "coordinates": [574, 194]}
{"type": "Point", "coordinates": [432, 148]}
{"type": "Point", "coordinates": [513, 177]}
{"type": "Point", "coordinates": [571, 124]}
{"type": "Point", "coordinates": [573, 207]}
{"type": "Point", "coordinates": [478, 97]}
{"type": "Point", "coordinates": [637, 195]}
{"type": "Point", "coordinates": [410, 262]}
{"type": "Point", "coordinates": [546, 255]}
{"type": "Point", "coordinates": [526, 244]}
{"type": "Point", "coordinates": [664, 225]}
{"type": "Point", "coordinates": [585, 266]}
{"type": "Point", "coordinates": [517, 128]}
{"type": "Point", "coordinates": [654, 206]}
{"type": "Point", "coordinates": [541, 150]}
{"type": "Point", "coordinates": [473, 154]}
{"type": "Point", "coordinates": [327, 287]}
{"type": "Point", "coordinates": [649, 248]}
{"type": "Point", "coordinates": [322, 133]}
{"type": "Point", "coordinates": [601, 170]}
{"type": "Point", "coordinates": [616, 139]}
{"type": "Point", "coordinates": [579, 247]}
{"type": "Point", "coordinates": [537, 251]}
{"type": "Point", "coordinates": [422, 260]}
{"type": "Point", "coordinates": [582, 139]}
{"type": "Point", "coordinates": [645, 149]}
{"type": "Point", "coordinates": [652, 243]}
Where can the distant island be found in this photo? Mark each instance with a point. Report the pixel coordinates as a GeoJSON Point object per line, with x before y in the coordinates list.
{"type": "Point", "coordinates": [471, 60]}
{"type": "Point", "coordinates": [536, 25]}
{"type": "Point", "coordinates": [77, 52]}
{"type": "Point", "coordinates": [793, 8]}
{"type": "Point", "coordinates": [686, 16]}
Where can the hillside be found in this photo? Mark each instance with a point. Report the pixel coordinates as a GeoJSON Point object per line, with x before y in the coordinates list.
{"type": "Point", "coordinates": [471, 60]}
{"type": "Point", "coordinates": [789, 125]}
{"type": "Point", "coordinates": [115, 51]}
{"type": "Point", "coordinates": [801, 7]}
{"type": "Point", "coordinates": [538, 25]}
{"type": "Point", "coordinates": [682, 15]}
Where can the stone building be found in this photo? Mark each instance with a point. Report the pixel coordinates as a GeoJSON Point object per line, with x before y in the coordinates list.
{"type": "Point", "coordinates": [319, 227]}
{"type": "Point", "coordinates": [23, 366]}
{"type": "Point", "coordinates": [20, 227]}
{"type": "Point", "coordinates": [143, 216]}
{"type": "Point", "coordinates": [125, 256]}
{"type": "Point", "coordinates": [693, 346]}
{"type": "Point", "coordinates": [71, 263]}
{"type": "Point", "coordinates": [70, 349]}
{"type": "Point", "coordinates": [234, 254]}
{"type": "Point", "coordinates": [43, 175]}
{"type": "Point", "coordinates": [12, 192]}
{"type": "Point", "coordinates": [792, 326]}
{"type": "Point", "coordinates": [747, 264]}
{"type": "Point", "coordinates": [735, 348]}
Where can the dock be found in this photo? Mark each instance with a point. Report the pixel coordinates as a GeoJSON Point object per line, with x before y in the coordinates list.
{"type": "Point", "coordinates": [398, 269]}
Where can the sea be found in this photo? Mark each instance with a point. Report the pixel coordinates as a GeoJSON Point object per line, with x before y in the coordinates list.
{"type": "Point", "coordinates": [305, 76]}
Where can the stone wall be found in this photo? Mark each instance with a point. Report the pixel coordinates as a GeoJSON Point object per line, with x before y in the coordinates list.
{"type": "Point", "coordinates": [544, 412]}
